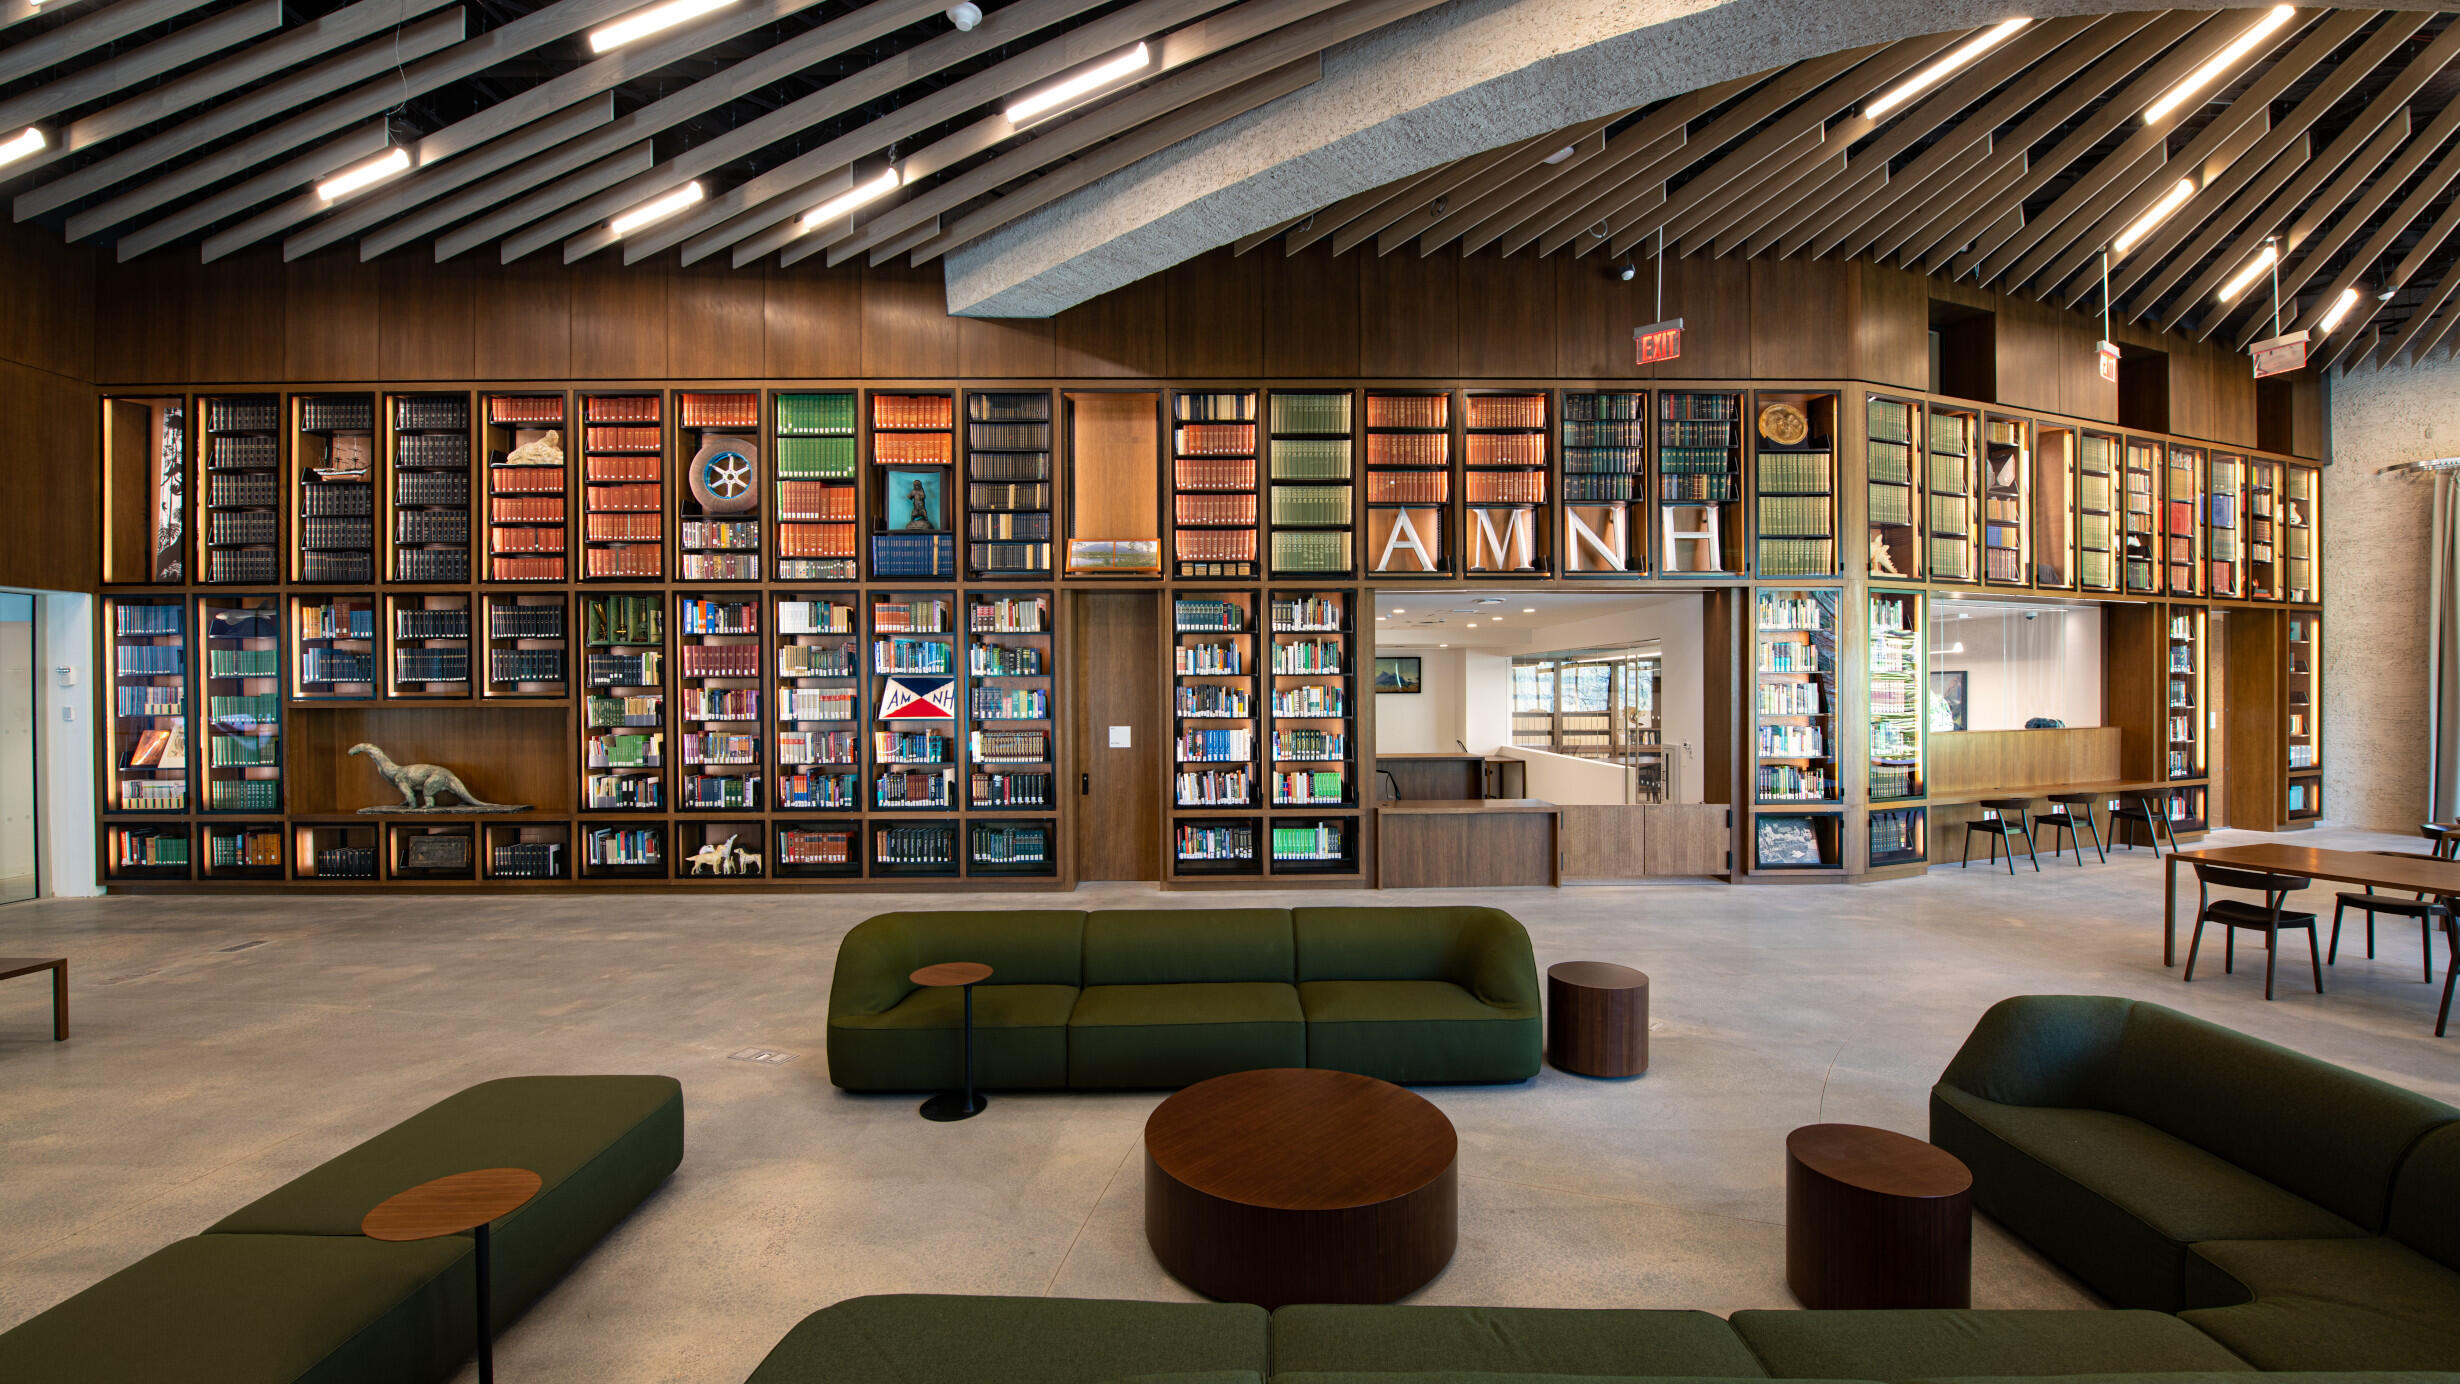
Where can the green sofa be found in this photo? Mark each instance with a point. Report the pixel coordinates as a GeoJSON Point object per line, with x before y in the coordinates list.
{"type": "Point", "coordinates": [1166, 997]}
{"type": "Point", "coordinates": [921, 1339]}
{"type": "Point", "coordinates": [287, 1289]}
{"type": "Point", "coordinates": [2303, 1215]}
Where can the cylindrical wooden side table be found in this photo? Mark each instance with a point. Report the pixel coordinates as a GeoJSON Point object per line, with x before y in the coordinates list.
{"type": "Point", "coordinates": [1597, 1018]}
{"type": "Point", "coordinates": [1874, 1218]}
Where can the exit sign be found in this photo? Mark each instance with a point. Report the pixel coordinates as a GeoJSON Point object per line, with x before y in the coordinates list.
{"type": "Point", "coordinates": [2280, 354]}
{"type": "Point", "coordinates": [1658, 342]}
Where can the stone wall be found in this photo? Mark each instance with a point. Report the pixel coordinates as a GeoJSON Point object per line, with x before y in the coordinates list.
{"type": "Point", "coordinates": [2374, 590]}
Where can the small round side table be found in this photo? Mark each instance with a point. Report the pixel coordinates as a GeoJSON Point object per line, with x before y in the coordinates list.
{"type": "Point", "coordinates": [956, 1105]}
{"type": "Point", "coordinates": [448, 1206]}
{"type": "Point", "coordinates": [1874, 1218]}
{"type": "Point", "coordinates": [1597, 1018]}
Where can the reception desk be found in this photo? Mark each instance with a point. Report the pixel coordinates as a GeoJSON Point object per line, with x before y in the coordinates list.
{"type": "Point", "coordinates": [1462, 843]}
{"type": "Point", "coordinates": [1452, 777]}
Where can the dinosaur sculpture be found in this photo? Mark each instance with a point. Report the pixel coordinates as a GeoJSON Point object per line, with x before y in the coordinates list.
{"type": "Point", "coordinates": [422, 784]}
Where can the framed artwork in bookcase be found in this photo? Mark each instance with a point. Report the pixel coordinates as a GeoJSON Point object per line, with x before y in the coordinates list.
{"type": "Point", "coordinates": [1893, 487]}
{"type": "Point", "coordinates": [1213, 483]}
{"type": "Point", "coordinates": [913, 480]}
{"type": "Point", "coordinates": [725, 475]}
{"type": "Point", "coordinates": [1409, 484]}
{"type": "Point", "coordinates": [145, 447]}
{"type": "Point", "coordinates": [1794, 519]}
{"type": "Point", "coordinates": [239, 527]}
{"type": "Point", "coordinates": [429, 453]}
{"type": "Point", "coordinates": [623, 485]}
{"type": "Point", "coordinates": [1506, 528]}
{"type": "Point", "coordinates": [1606, 498]}
{"type": "Point", "coordinates": [1313, 484]}
{"type": "Point", "coordinates": [333, 465]}
{"type": "Point", "coordinates": [529, 485]}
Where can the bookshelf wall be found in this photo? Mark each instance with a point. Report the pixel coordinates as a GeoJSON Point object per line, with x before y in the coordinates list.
{"type": "Point", "coordinates": [1213, 484]}
{"type": "Point", "coordinates": [372, 657]}
{"type": "Point", "coordinates": [2053, 511]}
{"type": "Point", "coordinates": [1950, 534]}
{"type": "Point", "coordinates": [2004, 473]}
{"type": "Point", "coordinates": [430, 460]}
{"type": "Point", "coordinates": [2182, 528]}
{"type": "Point", "coordinates": [1215, 720]}
{"type": "Point", "coordinates": [2139, 523]}
{"type": "Point", "coordinates": [333, 455]}
{"type": "Point", "coordinates": [2225, 536]}
{"type": "Point", "coordinates": [2184, 755]}
{"type": "Point", "coordinates": [2302, 694]}
{"type": "Point", "coordinates": [2262, 522]}
{"type": "Point", "coordinates": [242, 524]}
{"type": "Point", "coordinates": [1796, 497]}
{"type": "Point", "coordinates": [718, 505]}
{"type": "Point", "coordinates": [1898, 695]}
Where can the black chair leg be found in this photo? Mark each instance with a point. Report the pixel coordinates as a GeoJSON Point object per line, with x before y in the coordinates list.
{"type": "Point", "coordinates": [2229, 951]}
{"type": "Point", "coordinates": [2099, 852]}
{"type": "Point", "coordinates": [2170, 832]}
{"type": "Point", "coordinates": [2194, 945]}
{"type": "Point", "coordinates": [2315, 952]}
{"type": "Point", "coordinates": [2272, 955]}
{"type": "Point", "coordinates": [2451, 935]}
{"type": "Point", "coordinates": [2334, 958]}
{"type": "Point", "coordinates": [1968, 856]}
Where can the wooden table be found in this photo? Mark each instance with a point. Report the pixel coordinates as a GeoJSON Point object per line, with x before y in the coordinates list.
{"type": "Point", "coordinates": [1597, 1018]}
{"type": "Point", "coordinates": [1874, 1218]}
{"type": "Point", "coordinates": [2400, 874]}
{"type": "Point", "coordinates": [1468, 842]}
{"type": "Point", "coordinates": [1296, 1184]}
{"type": "Point", "coordinates": [12, 966]}
{"type": "Point", "coordinates": [448, 1206]}
{"type": "Point", "coordinates": [965, 975]}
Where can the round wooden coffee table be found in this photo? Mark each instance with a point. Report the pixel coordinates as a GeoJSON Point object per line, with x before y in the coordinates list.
{"type": "Point", "coordinates": [448, 1206]}
{"type": "Point", "coordinates": [1293, 1184]}
{"type": "Point", "coordinates": [1597, 1018]}
{"type": "Point", "coordinates": [1874, 1218]}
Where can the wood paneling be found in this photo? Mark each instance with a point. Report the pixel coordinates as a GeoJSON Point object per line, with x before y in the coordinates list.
{"type": "Point", "coordinates": [1605, 840]}
{"type": "Point", "coordinates": [1215, 309]}
{"type": "Point", "coordinates": [50, 514]}
{"type": "Point", "coordinates": [429, 320]}
{"type": "Point", "coordinates": [1122, 334]}
{"type": "Point", "coordinates": [332, 312]}
{"type": "Point", "coordinates": [907, 332]}
{"type": "Point", "coordinates": [141, 320]}
{"type": "Point", "coordinates": [526, 753]}
{"type": "Point", "coordinates": [1506, 316]}
{"type": "Point", "coordinates": [47, 301]}
{"type": "Point", "coordinates": [2016, 760]}
{"type": "Point", "coordinates": [1114, 454]}
{"type": "Point", "coordinates": [814, 320]}
{"type": "Point", "coordinates": [1891, 327]}
{"type": "Point", "coordinates": [2252, 721]}
{"type": "Point", "coordinates": [524, 329]}
{"type": "Point", "coordinates": [1007, 348]}
{"type": "Point", "coordinates": [1596, 312]}
{"type": "Point", "coordinates": [1119, 816]}
{"type": "Point", "coordinates": [1484, 848]}
{"type": "Point", "coordinates": [2133, 684]}
{"type": "Point", "coordinates": [1688, 839]}
{"type": "Point", "coordinates": [619, 317]}
{"type": "Point", "coordinates": [1311, 315]}
{"type": "Point", "coordinates": [2028, 343]}
{"type": "Point", "coordinates": [716, 322]}
{"type": "Point", "coordinates": [236, 311]}
{"type": "Point", "coordinates": [1713, 297]}
{"type": "Point", "coordinates": [1800, 323]}
{"type": "Point", "coordinates": [1408, 310]}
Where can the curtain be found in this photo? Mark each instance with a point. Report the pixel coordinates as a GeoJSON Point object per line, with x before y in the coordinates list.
{"type": "Point", "coordinates": [2443, 653]}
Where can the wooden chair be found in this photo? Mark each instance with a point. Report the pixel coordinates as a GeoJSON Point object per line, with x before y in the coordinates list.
{"type": "Point", "coordinates": [2445, 839]}
{"type": "Point", "coordinates": [2266, 918]}
{"type": "Point", "coordinates": [2002, 827]}
{"type": "Point", "coordinates": [2429, 911]}
{"type": "Point", "coordinates": [2451, 971]}
{"type": "Point", "coordinates": [2062, 817]}
{"type": "Point", "coordinates": [2149, 810]}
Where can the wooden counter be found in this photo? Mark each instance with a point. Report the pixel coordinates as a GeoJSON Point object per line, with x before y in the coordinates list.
{"type": "Point", "coordinates": [1443, 777]}
{"type": "Point", "coordinates": [1434, 843]}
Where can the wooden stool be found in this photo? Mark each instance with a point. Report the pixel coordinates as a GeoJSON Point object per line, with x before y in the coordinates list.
{"type": "Point", "coordinates": [1874, 1218]}
{"type": "Point", "coordinates": [1597, 1018]}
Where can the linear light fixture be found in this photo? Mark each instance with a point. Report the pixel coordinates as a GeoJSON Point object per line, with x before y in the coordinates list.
{"type": "Point", "coordinates": [643, 23]}
{"type": "Point", "coordinates": [29, 142]}
{"type": "Point", "coordinates": [656, 209]}
{"type": "Point", "coordinates": [2220, 62]}
{"type": "Point", "coordinates": [2151, 220]}
{"type": "Point", "coordinates": [375, 170]}
{"type": "Point", "coordinates": [2247, 275]}
{"type": "Point", "coordinates": [852, 198]}
{"type": "Point", "coordinates": [1072, 89]}
{"type": "Point", "coordinates": [1945, 67]}
{"type": "Point", "coordinates": [2340, 308]}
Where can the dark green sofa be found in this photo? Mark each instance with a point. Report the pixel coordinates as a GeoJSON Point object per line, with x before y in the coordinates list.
{"type": "Point", "coordinates": [921, 1339]}
{"type": "Point", "coordinates": [1166, 997]}
{"type": "Point", "coordinates": [287, 1289]}
{"type": "Point", "coordinates": [2303, 1215]}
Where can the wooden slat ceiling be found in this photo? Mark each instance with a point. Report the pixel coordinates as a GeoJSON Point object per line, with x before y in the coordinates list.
{"type": "Point", "coordinates": [206, 123]}
{"type": "Point", "coordinates": [203, 123]}
{"type": "Point", "coordinates": [2332, 139]}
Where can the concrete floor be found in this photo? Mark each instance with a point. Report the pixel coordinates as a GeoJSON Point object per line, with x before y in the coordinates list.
{"type": "Point", "coordinates": [223, 1046]}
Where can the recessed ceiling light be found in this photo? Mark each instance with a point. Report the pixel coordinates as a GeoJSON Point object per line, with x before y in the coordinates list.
{"type": "Point", "coordinates": [643, 23]}
{"type": "Point", "coordinates": [1473, 624]}
{"type": "Point", "coordinates": [657, 209]}
{"type": "Point", "coordinates": [2221, 62]}
{"type": "Point", "coordinates": [847, 201]}
{"type": "Point", "coordinates": [1083, 84]}
{"type": "Point", "coordinates": [1946, 67]}
{"type": "Point", "coordinates": [1397, 610]}
{"type": "Point", "coordinates": [1382, 617]}
{"type": "Point", "coordinates": [1528, 610]}
{"type": "Point", "coordinates": [29, 142]}
{"type": "Point", "coordinates": [375, 170]}
{"type": "Point", "coordinates": [2245, 278]}
{"type": "Point", "coordinates": [1443, 646]}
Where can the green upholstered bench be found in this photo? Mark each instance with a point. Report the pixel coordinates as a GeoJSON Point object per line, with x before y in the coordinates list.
{"type": "Point", "coordinates": [1937, 1343]}
{"type": "Point", "coordinates": [928, 1339]}
{"type": "Point", "coordinates": [1166, 997]}
{"type": "Point", "coordinates": [1330, 1339]}
{"type": "Point", "coordinates": [2113, 1135]}
{"type": "Point", "coordinates": [287, 1289]}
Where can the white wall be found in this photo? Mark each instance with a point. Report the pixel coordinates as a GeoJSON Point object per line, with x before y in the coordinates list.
{"type": "Point", "coordinates": [2374, 574]}
{"type": "Point", "coordinates": [1570, 780]}
{"type": "Point", "coordinates": [67, 719]}
{"type": "Point", "coordinates": [1421, 722]}
{"type": "Point", "coordinates": [1486, 701]}
{"type": "Point", "coordinates": [2017, 669]}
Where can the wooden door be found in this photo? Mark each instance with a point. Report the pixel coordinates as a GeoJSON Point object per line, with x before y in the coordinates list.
{"type": "Point", "coordinates": [1118, 637]}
